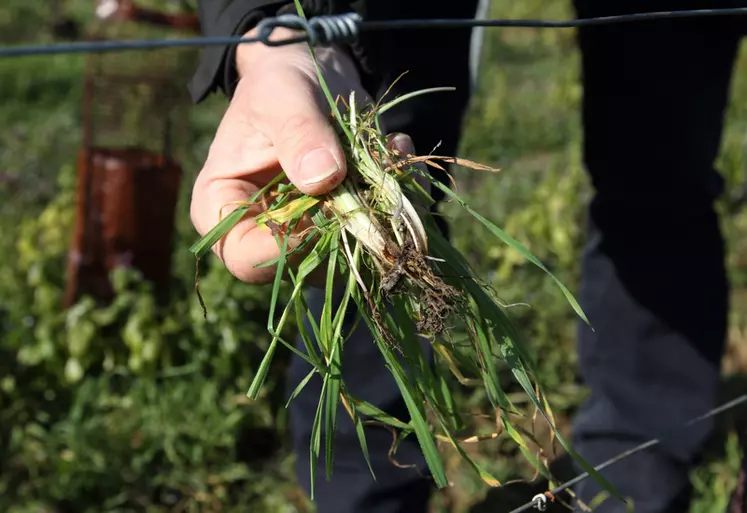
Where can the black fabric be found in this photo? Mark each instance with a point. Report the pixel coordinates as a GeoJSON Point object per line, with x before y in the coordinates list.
{"type": "Point", "coordinates": [225, 18]}
{"type": "Point", "coordinates": [654, 282]}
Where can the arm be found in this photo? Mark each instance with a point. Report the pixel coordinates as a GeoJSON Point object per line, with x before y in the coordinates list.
{"type": "Point", "coordinates": [217, 67]}
{"type": "Point", "coordinates": [276, 120]}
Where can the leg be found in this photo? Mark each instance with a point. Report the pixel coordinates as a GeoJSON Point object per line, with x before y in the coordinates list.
{"type": "Point", "coordinates": [654, 284]}
{"type": "Point", "coordinates": [428, 119]}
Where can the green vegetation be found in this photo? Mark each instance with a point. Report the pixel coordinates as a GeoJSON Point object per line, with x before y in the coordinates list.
{"type": "Point", "coordinates": [138, 407]}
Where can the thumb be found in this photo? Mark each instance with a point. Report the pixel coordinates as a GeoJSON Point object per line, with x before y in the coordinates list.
{"type": "Point", "coordinates": [287, 108]}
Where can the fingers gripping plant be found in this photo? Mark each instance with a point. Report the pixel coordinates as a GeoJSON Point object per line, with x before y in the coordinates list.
{"type": "Point", "coordinates": [380, 246]}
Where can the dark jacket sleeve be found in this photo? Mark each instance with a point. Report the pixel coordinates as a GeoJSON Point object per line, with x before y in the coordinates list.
{"type": "Point", "coordinates": [215, 71]}
{"type": "Point", "coordinates": [372, 53]}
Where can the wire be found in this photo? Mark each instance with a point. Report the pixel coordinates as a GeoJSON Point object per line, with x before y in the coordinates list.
{"type": "Point", "coordinates": [322, 30]}
{"type": "Point", "coordinates": [578, 23]}
{"type": "Point", "coordinates": [540, 501]}
{"type": "Point", "coordinates": [117, 46]}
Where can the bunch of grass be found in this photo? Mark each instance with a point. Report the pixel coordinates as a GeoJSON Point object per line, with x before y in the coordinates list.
{"type": "Point", "coordinates": [379, 243]}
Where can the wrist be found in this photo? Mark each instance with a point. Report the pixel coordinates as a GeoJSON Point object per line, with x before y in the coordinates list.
{"type": "Point", "coordinates": [251, 55]}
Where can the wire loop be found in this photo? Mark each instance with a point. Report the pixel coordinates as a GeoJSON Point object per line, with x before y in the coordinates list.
{"type": "Point", "coordinates": [320, 30]}
{"type": "Point", "coordinates": [539, 502]}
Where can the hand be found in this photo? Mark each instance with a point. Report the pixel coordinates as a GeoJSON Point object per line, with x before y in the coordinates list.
{"type": "Point", "coordinates": [277, 120]}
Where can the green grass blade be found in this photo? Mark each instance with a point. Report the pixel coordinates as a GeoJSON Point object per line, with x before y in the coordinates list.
{"type": "Point", "coordinates": [336, 347]}
{"type": "Point", "coordinates": [301, 308]}
{"type": "Point", "coordinates": [325, 323]}
{"type": "Point", "coordinates": [278, 278]}
{"type": "Point", "coordinates": [360, 431]}
{"type": "Point", "coordinates": [300, 386]}
{"type": "Point", "coordinates": [420, 426]}
{"type": "Point", "coordinates": [264, 366]}
{"type": "Point", "coordinates": [414, 407]}
{"type": "Point", "coordinates": [401, 326]}
{"type": "Point", "coordinates": [316, 256]}
{"type": "Point", "coordinates": [521, 376]}
{"type": "Point", "coordinates": [516, 245]}
{"type": "Point", "coordinates": [323, 83]}
{"type": "Point", "coordinates": [455, 421]}
{"type": "Point", "coordinates": [369, 410]}
{"type": "Point", "coordinates": [202, 246]}
{"type": "Point", "coordinates": [332, 399]}
{"type": "Point", "coordinates": [393, 103]}
{"type": "Point", "coordinates": [300, 311]}
{"type": "Point", "coordinates": [315, 444]}
{"type": "Point", "coordinates": [489, 373]}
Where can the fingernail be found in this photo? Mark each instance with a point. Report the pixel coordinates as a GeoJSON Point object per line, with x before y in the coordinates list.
{"type": "Point", "coordinates": [317, 166]}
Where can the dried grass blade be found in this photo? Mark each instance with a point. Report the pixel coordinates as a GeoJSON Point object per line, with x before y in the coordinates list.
{"type": "Point", "coordinates": [429, 159]}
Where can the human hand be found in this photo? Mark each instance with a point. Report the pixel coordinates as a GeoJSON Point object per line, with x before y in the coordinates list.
{"type": "Point", "coordinates": [278, 120]}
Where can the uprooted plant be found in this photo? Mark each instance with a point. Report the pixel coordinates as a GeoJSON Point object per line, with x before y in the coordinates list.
{"type": "Point", "coordinates": [382, 250]}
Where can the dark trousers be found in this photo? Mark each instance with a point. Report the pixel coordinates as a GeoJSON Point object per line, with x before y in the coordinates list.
{"type": "Point", "coordinates": [654, 283]}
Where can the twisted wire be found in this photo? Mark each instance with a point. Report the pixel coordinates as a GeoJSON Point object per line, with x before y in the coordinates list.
{"type": "Point", "coordinates": [319, 31]}
{"type": "Point", "coordinates": [341, 28]}
{"type": "Point", "coordinates": [551, 24]}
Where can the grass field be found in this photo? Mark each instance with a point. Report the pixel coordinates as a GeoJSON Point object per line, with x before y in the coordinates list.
{"type": "Point", "coordinates": [524, 119]}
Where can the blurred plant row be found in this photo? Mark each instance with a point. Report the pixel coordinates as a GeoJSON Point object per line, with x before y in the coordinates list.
{"type": "Point", "coordinates": [128, 405]}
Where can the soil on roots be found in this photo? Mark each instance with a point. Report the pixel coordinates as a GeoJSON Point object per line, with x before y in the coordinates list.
{"type": "Point", "coordinates": [411, 273]}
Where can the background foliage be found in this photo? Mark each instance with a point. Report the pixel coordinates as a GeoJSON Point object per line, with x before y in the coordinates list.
{"type": "Point", "coordinates": [140, 407]}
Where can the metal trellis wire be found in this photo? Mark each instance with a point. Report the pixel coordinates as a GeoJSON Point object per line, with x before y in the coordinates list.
{"type": "Point", "coordinates": [539, 501]}
{"type": "Point", "coordinates": [325, 30]}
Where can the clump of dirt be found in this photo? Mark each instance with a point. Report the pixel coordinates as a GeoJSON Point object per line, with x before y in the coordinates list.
{"type": "Point", "coordinates": [411, 272]}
